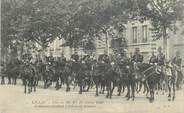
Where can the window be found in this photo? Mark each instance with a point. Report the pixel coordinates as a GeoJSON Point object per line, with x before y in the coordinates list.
{"type": "Point", "coordinates": [144, 33]}
{"type": "Point", "coordinates": [134, 34]}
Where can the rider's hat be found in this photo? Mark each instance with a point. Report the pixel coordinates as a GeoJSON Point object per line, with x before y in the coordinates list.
{"type": "Point", "coordinates": [137, 49]}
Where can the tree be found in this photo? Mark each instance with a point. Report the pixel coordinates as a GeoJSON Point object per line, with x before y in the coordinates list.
{"type": "Point", "coordinates": [10, 21]}
{"type": "Point", "coordinates": [163, 15]}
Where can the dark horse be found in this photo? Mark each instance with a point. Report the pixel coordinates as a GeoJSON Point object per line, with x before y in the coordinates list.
{"type": "Point", "coordinates": [151, 77]}
{"type": "Point", "coordinates": [29, 77]}
{"type": "Point", "coordinates": [11, 71]}
{"type": "Point", "coordinates": [111, 78]}
{"type": "Point", "coordinates": [98, 76]}
{"type": "Point", "coordinates": [126, 79]}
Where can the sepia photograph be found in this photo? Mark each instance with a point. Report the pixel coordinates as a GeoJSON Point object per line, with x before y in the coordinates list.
{"type": "Point", "coordinates": [92, 56]}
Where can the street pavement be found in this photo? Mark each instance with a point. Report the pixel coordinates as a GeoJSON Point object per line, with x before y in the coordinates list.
{"type": "Point", "coordinates": [13, 100]}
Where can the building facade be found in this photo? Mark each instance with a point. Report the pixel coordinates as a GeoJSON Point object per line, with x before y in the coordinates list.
{"type": "Point", "coordinates": [141, 35]}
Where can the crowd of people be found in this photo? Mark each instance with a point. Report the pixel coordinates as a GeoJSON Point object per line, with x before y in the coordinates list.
{"type": "Point", "coordinates": [124, 72]}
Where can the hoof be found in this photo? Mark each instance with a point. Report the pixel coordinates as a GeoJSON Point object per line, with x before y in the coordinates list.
{"type": "Point", "coordinates": [173, 98]}
{"type": "Point", "coordinates": [169, 99]}
{"type": "Point", "coordinates": [128, 99]}
{"type": "Point", "coordinates": [151, 100]}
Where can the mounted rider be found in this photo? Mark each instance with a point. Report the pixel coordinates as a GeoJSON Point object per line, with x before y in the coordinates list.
{"type": "Point", "coordinates": [176, 61]}
{"type": "Point", "coordinates": [153, 59]}
{"type": "Point", "coordinates": [177, 64]}
{"type": "Point", "coordinates": [124, 62]}
{"type": "Point", "coordinates": [75, 57]}
{"type": "Point", "coordinates": [160, 60]}
{"type": "Point", "coordinates": [62, 61]}
{"type": "Point", "coordinates": [104, 58]}
{"type": "Point", "coordinates": [137, 59]}
{"type": "Point", "coordinates": [51, 59]}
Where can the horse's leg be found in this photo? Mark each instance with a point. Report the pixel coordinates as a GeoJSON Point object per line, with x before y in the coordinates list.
{"type": "Point", "coordinates": [140, 87]}
{"type": "Point", "coordinates": [30, 86]}
{"type": "Point", "coordinates": [88, 84]}
{"type": "Point", "coordinates": [103, 87]}
{"type": "Point", "coordinates": [123, 87]}
{"type": "Point", "coordinates": [97, 83]}
{"type": "Point", "coordinates": [146, 89]}
{"type": "Point", "coordinates": [137, 85]}
{"type": "Point", "coordinates": [44, 83]}
{"type": "Point", "coordinates": [67, 85]}
{"type": "Point", "coordinates": [25, 85]}
{"type": "Point", "coordinates": [9, 79]}
{"type": "Point", "coordinates": [62, 81]}
{"type": "Point", "coordinates": [15, 80]}
{"type": "Point", "coordinates": [35, 84]}
{"type": "Point", "coordinates": [2, 80]}
{"type": "Point", "coordinates": [80, 83]}
{"type": "Point", "coordinates": [57, 83]}
{"type": "Point", "coordinates": [169, 88]}
{"type": "Point", "coordinates": [163, 87]}
{"type": "Point", "coordinates": [112, 90]}
{"type": "Point", "coordinates": [119, 89]}
{"type": "Point", "coordinates": [151, 93]}
{"type": "Point", "coordinates": [128, 92]}
{"type": "Point", "coordinates": [174, 85]}
{"type": "Point", "coordinates": [96, 89]}
{"type": "Point", "coordinates": [133, 90]}
{"type": "Point", "coordinates": [107, 88]}
{"type": "Point", "coordinates": [157, 87]}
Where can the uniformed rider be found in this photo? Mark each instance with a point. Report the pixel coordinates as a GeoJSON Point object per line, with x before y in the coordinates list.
{"type": "Point", "coordinates": [176, 61]}
{"type": "Point", "coordinates": [161, 59]}
{"type": "Point", "coordinates": [137, 59]}
{"type": "Point", "coordinates": [153, 59]}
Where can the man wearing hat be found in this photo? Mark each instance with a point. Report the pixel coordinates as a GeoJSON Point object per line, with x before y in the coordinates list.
{"type": "Point", "coordinates": [153, 59]}
{"type": "Point", "coordinates": [177, 60]}
{"type": "Point", "coordinates": [105, 57]}
{"type": "Point", "coordinates": [161, 59]}
{"type": "Point", "coordinates": [75, 57]}
{"type": "Point", "coordinates": [137, 57]}
{"type": "Point", "coordinates": [124, 61]}
{"type": "Point", "coordinates": [177, 64]}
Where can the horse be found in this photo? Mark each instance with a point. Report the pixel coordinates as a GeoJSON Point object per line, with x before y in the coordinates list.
{"type": "Point", "coordinates": [67, 75]}
{"type": "Point", "coordinates": [11, 71]}
{"type": "Point", "coordinates": [98, 76]}
{"type": "Point", "coordinates": [127, 79]}
{"type": "Point", "coordinates": [29, 77]}
{"type": "Point", "coordinates": [151, 76]}
{"type": "Point", "coordinates": [111, 79]}
{"type": "Point", "coordinates": [87, 79]}
{"type": "Point", "coordinates": [48, 76]}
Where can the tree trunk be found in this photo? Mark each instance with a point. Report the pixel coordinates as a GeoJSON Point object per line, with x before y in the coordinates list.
{"type": "Point", "coordinates": [165, 41]}
{"type": "Point", "coordinates": [106, 43]}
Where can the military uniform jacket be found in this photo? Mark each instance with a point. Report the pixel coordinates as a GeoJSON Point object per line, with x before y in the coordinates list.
{"type": "Point", "coordinates": [75, 57]}
{"type": "Point", "coordinates": [161, 59]}
{"type": "Point", "coordinates": [153, 59]}
{"type": "Point", "coordinates": [137, 58]}
{"type": "Point", "coordinates": [177, 61]}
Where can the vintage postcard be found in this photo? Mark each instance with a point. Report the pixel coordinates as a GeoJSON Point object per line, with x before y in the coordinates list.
{"type": "Point", "coordinates": [92, 56]}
